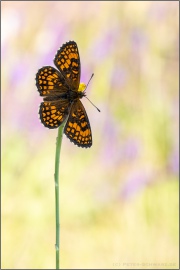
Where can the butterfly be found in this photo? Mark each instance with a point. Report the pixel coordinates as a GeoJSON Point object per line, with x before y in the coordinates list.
{"type": "Point", "coordinates": [61, 91]}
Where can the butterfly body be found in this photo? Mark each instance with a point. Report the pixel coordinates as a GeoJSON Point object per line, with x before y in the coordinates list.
{"type": "Point", "coordinates": [71, 96]}
{"type": "Point", "coordinates": [62, 91]}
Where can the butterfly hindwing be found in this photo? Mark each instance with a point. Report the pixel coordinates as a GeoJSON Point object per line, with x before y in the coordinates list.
{"type": "Point", "coordinates": [53, 114]}
{"type": "Point", "coordinates": [67, 60]}
{"type": "Point", "coordinates": [78, 128]}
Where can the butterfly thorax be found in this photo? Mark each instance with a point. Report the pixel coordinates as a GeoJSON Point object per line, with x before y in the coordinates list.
{"type": "Point", "coordinates": [73, 95]}
{"type": "Point", "coordinates": [77, 94]}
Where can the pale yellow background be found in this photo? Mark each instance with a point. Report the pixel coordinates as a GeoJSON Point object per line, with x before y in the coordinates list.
{"type": "Point", "coordinates": [118, 199]}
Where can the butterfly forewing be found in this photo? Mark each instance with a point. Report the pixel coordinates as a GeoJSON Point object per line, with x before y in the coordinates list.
{"type": "Point", "coordinates": [78, 128]}
{"type": "Point", "coordinates": [67, 60]}
{"type": "Point", "coordinates": [50, 82]}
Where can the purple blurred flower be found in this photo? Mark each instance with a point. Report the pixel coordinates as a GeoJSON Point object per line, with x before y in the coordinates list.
{"type": "Point", "coordinates": [104, 46]}
{"type": "Point", "coordinates": [136, 181]}
{"type": "Point", "coordinates": [131, 149]}
{"type": "Point", "coordinates": [139, 42]}
{"type": "Point", "coordinates": [119, 77]}
{"type": "Point", "coordinates": [111, 143]}
{"type": "Point", "coordinates": [174, 162]}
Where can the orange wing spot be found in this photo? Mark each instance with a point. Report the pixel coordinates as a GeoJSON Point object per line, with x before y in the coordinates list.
{"type": "Point", "coordinates": [53, 107]}
{"type": "Point", "coordinates": [55, 117]}
{"type": "Point", "coordinates": [68, 62]}
{"type": "Point", "coordinates": [66, 65]}
{"type": "Point", "coordinates": [44, 114]}
{"type": "Point", "coordinates": [68, 129]}
{"type": "Point", "coordinates": [76, 72]}
{"type": "Point", "coordinates": [78, 128]}
{"type": "Point", "coordinates": [86, 132]}
{"type": "Point", "coordinates": [84, 124]}
{"type": "Point", "coordinates": [70, 124]}
{"type": "Point", "coordinates": [73, 55]}
{"type": "Point", "coordinates": [49, 79]}
{"type": "Point", "coordinates": [74, 64]}
{"type": "Point", "coordinates": [72, 130]}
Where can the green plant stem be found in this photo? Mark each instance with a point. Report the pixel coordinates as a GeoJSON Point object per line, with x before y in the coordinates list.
{"type": "Point", "coordinates": [56, 178]}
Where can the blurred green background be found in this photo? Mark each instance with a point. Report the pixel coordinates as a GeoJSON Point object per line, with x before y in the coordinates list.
{"type": "Point", "coordinates": [118, 199]}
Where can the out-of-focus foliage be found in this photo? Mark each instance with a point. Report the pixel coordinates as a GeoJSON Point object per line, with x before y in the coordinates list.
{"type": "Point", "coordinates": [118, 199]}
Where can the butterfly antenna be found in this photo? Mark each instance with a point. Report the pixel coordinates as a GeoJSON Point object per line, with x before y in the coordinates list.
{"type": "Point", "coordinates": [89, 80]}
{"type": "Point", "coordinates": [87, 97]}
{"type": "Point", "coordinates": [93, 104]}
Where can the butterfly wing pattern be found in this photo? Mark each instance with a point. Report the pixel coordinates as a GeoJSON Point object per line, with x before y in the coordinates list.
{"type": "Point", "coordinates": [78, 128]}
{"type": "Point", "coordinates": [67, 60]}
{"type": "Point", "coordinates": [59, 89]}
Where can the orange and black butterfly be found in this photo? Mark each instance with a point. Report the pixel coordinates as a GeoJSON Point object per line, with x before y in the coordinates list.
{"type": "Point", "coordinates": [62, 91]}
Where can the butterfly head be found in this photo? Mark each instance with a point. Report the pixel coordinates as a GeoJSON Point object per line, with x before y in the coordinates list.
{"type": "Point", "coordinates": [82, 87]}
